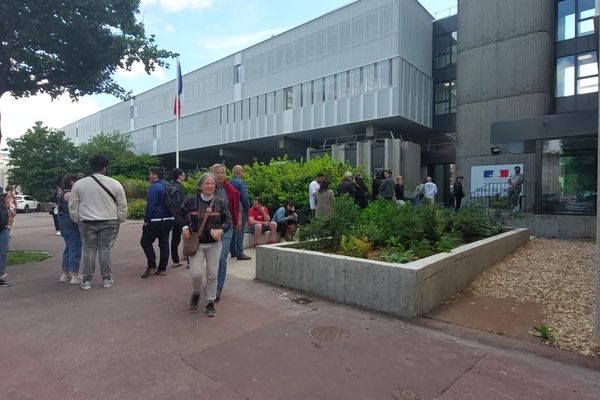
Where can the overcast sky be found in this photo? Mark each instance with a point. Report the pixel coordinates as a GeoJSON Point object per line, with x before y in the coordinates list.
{"type": "Point", "coordinates": [202, 31]}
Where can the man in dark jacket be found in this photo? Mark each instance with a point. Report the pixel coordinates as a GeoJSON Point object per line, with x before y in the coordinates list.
{"type": "Point", "coordinates": [177, 179]}
{"type": "Point", "coordinates": [237, 242]}
{"type": "Point", "coordinates": [347, 186]}
{"type": "Point", "coordinates": [362, 193]}
{"type": "Point", "coordinates": [157, 223]}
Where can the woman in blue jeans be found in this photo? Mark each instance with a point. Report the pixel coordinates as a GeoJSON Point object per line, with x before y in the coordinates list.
{"type": "Point", "coordinates": [4, 239]}
{"type": "Point", "coordinates": [70, 233]}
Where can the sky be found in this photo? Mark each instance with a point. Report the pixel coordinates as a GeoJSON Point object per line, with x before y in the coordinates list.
{"type": "Point", "coordinates": [201, 31]}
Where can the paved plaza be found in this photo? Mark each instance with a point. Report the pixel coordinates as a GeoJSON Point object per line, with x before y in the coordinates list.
{"type": "Point", "coordinates": [137, 340]}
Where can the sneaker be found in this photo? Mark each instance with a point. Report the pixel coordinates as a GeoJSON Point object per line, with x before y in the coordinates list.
{"type": "Point", "coordinates": [64, 278]}
{"type": "Point", "coordinates": [149, 272]}
{"type": "Point", "coordinates": [218, 295]}
{"type": "Point", "coordinates": [57, 233]}
{"type": "Point", "coordinates": [4, 283]}
{"type": "Point", "coordinates": [210, 309]}
{"type": "Point", "coordinates": [107, 282]}
{"type": "Point", "coordinates": [4, 276]}
{"type": "Point", "coordinates": [86, 285]}
{"type": "Point", "coordinates": [75, 280]}
{"type": "Point", "coordinates": [161, 272]}
{"type": "Point", "coordinates": [176, 264]}
{"type": "Point", "coordinates": [194, 301]}
{"type": "Point", "coordinates": [244, 257]}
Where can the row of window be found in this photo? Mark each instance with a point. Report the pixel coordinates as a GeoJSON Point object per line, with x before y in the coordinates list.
{"type": "Point", "coordinates": [445, 49]}
{"type": "Point", "coordinates": [577, 74]}
{"type": "Point", "coordinates": [575, 18]}
{"type": "Point", "coordinates": [445, 98]}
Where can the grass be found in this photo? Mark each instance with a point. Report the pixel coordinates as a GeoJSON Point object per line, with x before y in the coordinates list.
{"type": "Point", "coordinates": [27, 256]}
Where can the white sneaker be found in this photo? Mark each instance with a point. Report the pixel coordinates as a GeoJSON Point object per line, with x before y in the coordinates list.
{"type": "Point", "coordinates": [63, 278]}
{"type": "Point", "coordinates": [4, 276]}
{"type": "Point", "coordinates": [86, 285]}
{"type": "Point", "coordinates": [75, 280]}
{"type": "Point", "coordinates": [57, 233]}
{"type": "Point", "coordinates": [106, 283]}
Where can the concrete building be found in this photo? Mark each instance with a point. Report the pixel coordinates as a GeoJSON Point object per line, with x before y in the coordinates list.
{"type": "Point", "coordinates": [383, 84]}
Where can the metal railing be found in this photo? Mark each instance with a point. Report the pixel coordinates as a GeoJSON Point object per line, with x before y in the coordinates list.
{"type": "Point", "coordinates": [500, 196]}
{"type": "Point", "coordinates": [448, 12]}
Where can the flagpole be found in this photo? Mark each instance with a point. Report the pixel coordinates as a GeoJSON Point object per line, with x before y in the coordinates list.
{"type": "Point", "coordinates": [177, 142]}
{"type": "Point", "coordinates": [178, 84]}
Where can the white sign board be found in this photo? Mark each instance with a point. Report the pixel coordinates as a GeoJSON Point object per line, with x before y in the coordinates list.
{"type": "Point", "coordinates": [493, 177]}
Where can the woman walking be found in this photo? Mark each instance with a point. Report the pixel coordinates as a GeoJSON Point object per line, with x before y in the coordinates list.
{"type": "Point", "coordinates": [324, 198]}
{"type": "Point", "coordinates": [4, 239]}
{"type": "Point", "coordinates": [204, 218]}
{"type": "Point", "coordinates": [54, 208]}
{"type": "Point", "coordinates": [69, 230]}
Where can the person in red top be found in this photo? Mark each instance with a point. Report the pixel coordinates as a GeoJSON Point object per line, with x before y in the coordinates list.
{"type": "Point", "coordinates": [259, 222]}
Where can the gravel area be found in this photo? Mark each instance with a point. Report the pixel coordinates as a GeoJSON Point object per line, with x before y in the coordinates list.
{"type": "Point", "coordinates": [559, 275]}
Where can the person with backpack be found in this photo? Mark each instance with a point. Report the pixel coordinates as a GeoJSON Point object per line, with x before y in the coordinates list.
{"type": "Point", "coordinates": [158, 222]}
{"type": "Point", "coordinates": [176, 195]}
{"type": "Point", "coordinates": [4, 239]}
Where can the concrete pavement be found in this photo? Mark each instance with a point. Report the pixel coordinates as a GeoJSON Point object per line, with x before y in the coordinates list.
{"type": "Point", "coordinates": [137, 340]}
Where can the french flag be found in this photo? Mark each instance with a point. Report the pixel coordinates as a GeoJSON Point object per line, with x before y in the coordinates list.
{"type": "Point", "coordinates": [177, 104]}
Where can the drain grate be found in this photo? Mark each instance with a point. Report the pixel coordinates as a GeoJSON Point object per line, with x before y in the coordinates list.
{"type": "Point", "coordinates": [330, 333]}
{"type": "Point", "coordinates": [301, 300]}
{"type": "Point", "coordinates": [405, 394]}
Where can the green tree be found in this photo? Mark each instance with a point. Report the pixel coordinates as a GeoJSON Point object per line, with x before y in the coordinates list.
{"type": "Point", "coordinates": [118, 148]}
{"type": "Point", "coordinates": [39, 160]}
{"type": "Point", "coordinates": [73, 47]}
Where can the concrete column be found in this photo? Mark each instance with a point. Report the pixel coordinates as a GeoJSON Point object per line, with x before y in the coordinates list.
{"type": "Point", "coordinates": [370, 131]}
{"type": "Point", "coordinates": [338, 153]}
{"type": "Point", "coordinates": [393, 155]}
{"type": "Point", "coordinates": [309, 151]}
{"type": "Point", "coordinates": [410, 164]}
{"type": "Point", "coordinates": [363, 155]}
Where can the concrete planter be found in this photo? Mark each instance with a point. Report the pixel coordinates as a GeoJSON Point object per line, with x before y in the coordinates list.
{"type": "Point", "coordinates": [404, 290]}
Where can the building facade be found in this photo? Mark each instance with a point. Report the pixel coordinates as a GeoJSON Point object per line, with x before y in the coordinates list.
{"type": "Point", "coordinates": [383, 84]}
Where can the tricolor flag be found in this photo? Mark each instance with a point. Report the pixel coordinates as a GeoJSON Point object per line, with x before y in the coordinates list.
{"type": "Point", "coordinates": [504, 173]}
{"type": "Point", "coordinates": [177, 104]}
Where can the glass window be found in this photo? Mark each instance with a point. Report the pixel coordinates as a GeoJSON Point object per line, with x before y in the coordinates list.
{"type": "Point", "coordinates": [288, 95]}
{"type": "Point", "coordinates": [569, 175]}
{"type": "Point", "coordinates": [574, 18]}
{"type": "Point", "coordinates": [445, 49]}
{"type": "Point", "coordinates": [237, 73]}
{"type": "Point", "coordinates": [565, 76]}
{"type": "Point", "coordinates": [445, 98]}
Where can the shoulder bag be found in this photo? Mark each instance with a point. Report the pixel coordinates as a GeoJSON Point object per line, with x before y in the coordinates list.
{"type": "Point", "coordinates": [190, 245]}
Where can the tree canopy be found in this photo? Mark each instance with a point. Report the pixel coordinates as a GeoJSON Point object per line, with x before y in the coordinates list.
{"type": "Point", "coordinates": [72, 47]}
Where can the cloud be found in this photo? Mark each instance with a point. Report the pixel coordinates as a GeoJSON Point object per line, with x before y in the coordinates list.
{"type": "Point", "coordinates": [170, 29]}
{"type": "Point", "coordinates": [18, 115]}
{"type": "Point", "coordinates": [179, 5]}
{"type": "Point", "coordinates": [240, 41]}
{"type": "Point", "coordinates": [137, 70]}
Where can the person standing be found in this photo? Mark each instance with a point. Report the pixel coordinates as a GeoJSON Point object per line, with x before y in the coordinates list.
{"type": "Point", "coordinates": [158, 222]}
{"type": "Point", "coordinates": [313, 187]}
{"type": "Point", "coordinates": [259, 221]}
{"type": "Point", "coordinates": [419, 193]}
{"type": "Point", "coordinates": [458, 191]}
{"type": "Point", "coordinates": [4, 240]}
{"type": "Point", "coordinates": [98, 205]}
{"type": "Point", "coordinates": [70, 233]}
{"type": "Point", "coordinates": [515, 185]}
{"type": "Point", "coordinates": [11, 204]}
{"type": "Point", "coordinates": [429, 190]}
{"type": "Point", "coordinates": [231, 197]}
{"type": "Point", "coordinates": [324, 199]}
{"type": "Point", "coordinates": [178, 195]}
{"type": "Point", "coordinates": [287, 220]}
{"type": "Point", "coordinates": [399, 190]}
{"type": "Point", "coordinates": [54, 208]}
{"type": "Point", "coordinates": [386, 189]}
{"type": "Point", "coordinates": [347, 186]}
{"type": "Point", "coordinates": [208, 215]}
{"type": "Point", "coordinates": [361, 192]}
{"type": "Point", "coordinates": [237, 241]}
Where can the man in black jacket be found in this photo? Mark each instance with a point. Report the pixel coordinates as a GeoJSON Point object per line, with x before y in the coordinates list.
{"type": "Point", "coordinates": [177, 177]}
{"type": "Point", "coordinates": [347, 186]}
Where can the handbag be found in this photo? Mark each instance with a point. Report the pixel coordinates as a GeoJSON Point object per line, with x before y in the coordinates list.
{"type": "Point", "coordinates": [190, 245]}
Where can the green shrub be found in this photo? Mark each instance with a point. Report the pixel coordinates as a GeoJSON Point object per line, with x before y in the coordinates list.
{"type": "Point", "coordinates": [136, 209]}
{"type": "Point", "coordinates": [472, 223]}
{"type": "Point", "coordinates": [398, 256]}
{"type": "Point", "coordinates": [355, 247]}
{"type": "Point", "coordinates": [316, 235]}
{"type": "Point", "coordinates": [134, 188]}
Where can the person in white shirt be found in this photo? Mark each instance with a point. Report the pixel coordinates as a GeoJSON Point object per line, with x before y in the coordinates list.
{"type": "Point", "coordinates": [313, 188]}
{"type": "Point", "coordinates": [99, 206]}
{"type": "Point", "coordinates": [430, 190]}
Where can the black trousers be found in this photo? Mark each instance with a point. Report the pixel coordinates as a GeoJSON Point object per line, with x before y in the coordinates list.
{"type": "Point", "coordinates": [458, 200]}
{"type": "Point", "coordinates": [175, 240]}
{"type": "Point", "coordinates": [150, 232]}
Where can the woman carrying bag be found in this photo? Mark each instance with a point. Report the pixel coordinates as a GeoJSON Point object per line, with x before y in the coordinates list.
{"type": "Point", "coordinates": [204, 218]}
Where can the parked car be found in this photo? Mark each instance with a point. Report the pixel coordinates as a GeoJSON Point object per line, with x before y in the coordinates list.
{"type": "Point", "coordinates": [27, 203]}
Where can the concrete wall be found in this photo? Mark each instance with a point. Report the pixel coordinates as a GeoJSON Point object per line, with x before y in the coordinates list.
{"type": "Point", "coordinates": [404, 290]}
{"type": "Point", "coordinates": [505, 71]}
{"type": "Point", "coordinates": [558, 226]}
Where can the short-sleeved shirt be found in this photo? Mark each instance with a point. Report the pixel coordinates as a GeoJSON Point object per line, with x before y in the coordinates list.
{"type": "Point", "coordinates": [258, 214]}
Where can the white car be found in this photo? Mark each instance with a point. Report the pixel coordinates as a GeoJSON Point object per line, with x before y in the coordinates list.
{"type": "Point", "coordinates": [27, 203]}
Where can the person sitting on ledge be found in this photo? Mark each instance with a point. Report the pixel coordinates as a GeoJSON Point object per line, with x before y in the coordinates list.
{"type": "Point", "coordinates": [287, 220]}
{"type": "Point", "coordinates": [258, 222]}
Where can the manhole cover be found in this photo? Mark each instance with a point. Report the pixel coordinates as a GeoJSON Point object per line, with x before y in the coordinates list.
{"type": "Point", "coordinates": [301, 300]}
{"type": "Point", "coordinates": [405, 394]}
{"type": "Point", "coordinates": [329, 333]}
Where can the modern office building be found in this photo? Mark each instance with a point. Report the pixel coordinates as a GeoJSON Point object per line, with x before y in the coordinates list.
{"type": "Point", "coordinates": [384, 84]}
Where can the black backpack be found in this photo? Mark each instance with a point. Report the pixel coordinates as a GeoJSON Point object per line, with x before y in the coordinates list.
{"type": "Point", "coordinates": [172, 201]}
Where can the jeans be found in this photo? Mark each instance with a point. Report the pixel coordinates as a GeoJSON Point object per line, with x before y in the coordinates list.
{"type": "Point", "coordinates": [55, 220]}
{"type": "Point", "coordinates": [175, 240]}
{"type": "Point", "coordinates": [98, 239]}
{"type": "Point", "coordinates": [237, 242]}
{"type": "Point", "coordinates": [150, 232]}
{"type": "Point", "coordinates": [72, 253]}
{"type": "Point", "coordinates": [206, 262]}
{"type": "Point", "coordinates": [4, 239]}
{"type": "Point", "coordinates": [226, 240]}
